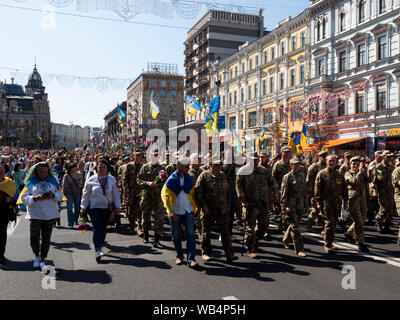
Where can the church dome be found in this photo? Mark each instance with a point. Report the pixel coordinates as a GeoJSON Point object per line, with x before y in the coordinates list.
{"type": "Point", "coordinates": [35, 80]}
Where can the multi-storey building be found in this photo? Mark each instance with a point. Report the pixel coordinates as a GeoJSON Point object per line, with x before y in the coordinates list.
{"type": "Point", "coordinates": [214, 37]}
{"type": "Point", "coordinates": [69, 136]}
{"type": "Point", "coordinates": [25, 114]}
{"type": "Point", "coordinates": [352, 42]}
{"type": "Point", "coordinates": [260, 81]}
{"type": "Point", "coordinates": [115, 126]}
{"type": "Point", "coordinates": [163, 82]}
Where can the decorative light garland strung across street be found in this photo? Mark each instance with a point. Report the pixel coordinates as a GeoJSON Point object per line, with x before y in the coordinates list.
{"type": "Point", "coordinates": [128, 9]}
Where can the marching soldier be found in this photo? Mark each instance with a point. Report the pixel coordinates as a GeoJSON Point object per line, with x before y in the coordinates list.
{"type": "Point", "coordinates": [310, 180]}
{"type": "Point", "coordinates": [195, 171]}
{"type": "Point", "coordinates": [131, 192]}
{"type": "Point", "coordinates": [373, 204]}
{"type": "Point", "coordinates": [280, 169]}
{"type": "Point", "coordinates": [382, 184]}
{"type": "Point", "coordinates": [355, 183]}
{"type": "Point", "coordinates": [252, 188]}
{"type": "Point", "coordinates": [396, 186]}
{"type": "Point", "coordinates": [213, 197]}
{"type": "Point", "coordinates": [151, 199]}
{"type": "Point", "coordinates": [293, 203]}
{"type": "Point", "coordinates": [125, 160]}
{"type": "Point", "coordinates": [346, 165]}
{"type": "Point", "coordinates": [330, 190]}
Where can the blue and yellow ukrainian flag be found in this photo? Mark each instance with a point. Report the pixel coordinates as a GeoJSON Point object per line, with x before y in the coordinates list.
{"type": "Point", "coordinates": [212, 116]}
{"type": "Point", "coordinates": [262, 134]}
{"type": "Point", "coordinates": [191, 105]}
{"type": "Point", "coordinates": [154, 109]}
{"type": "Point", "coordinates": [291, 143]}
{"type": "Point", "coordinates": [34, 181]}
{"type": "Point", "coordinates": [38, 135]}
{"type": "Point", "coordinates": [8, 186]}
{"type": "Point", "coordinates": [235, 140]}
{"type": "Point", "coordinates": [120, 115]}
{"type": "Point", "coordinates": [303, 137]}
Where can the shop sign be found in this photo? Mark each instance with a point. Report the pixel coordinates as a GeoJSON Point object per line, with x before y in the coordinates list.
{"type": "Point", "coordinates": [393, 132]}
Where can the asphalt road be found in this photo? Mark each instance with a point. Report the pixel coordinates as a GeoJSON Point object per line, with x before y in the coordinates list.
{"type": "Point", "coordinates": [133, 270]}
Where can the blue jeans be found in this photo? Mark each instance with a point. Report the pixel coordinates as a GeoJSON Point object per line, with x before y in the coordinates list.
{"type": "Point", "coordinates": [99, 218]}
{"type": "Point", "coordinates": [188, 221]}
{"type": "Point", "coordinates": [73, 208]}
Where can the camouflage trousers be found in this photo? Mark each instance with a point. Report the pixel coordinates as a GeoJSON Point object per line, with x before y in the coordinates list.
{"type": "Point", "coordinates": [293, 231]}
{"type": "Point", "coordinates": [330, 213]}
{"type": "Point", "coordinates": [147, 206]}
{"type": "Point", "coordinates": [357, 215]}
{"type": "Point", "coordinates": [256, 226]}
{"type": "Point", "coordinates": [134, 215]}
{"type": "Point", "coordinates": [314, 210]}
{"type": "Point", "coordinates": [397, 200]}
{"type": "Point", "coordinates": [208, 221]}
{"type": "Point", "coordinates": [386, 207]}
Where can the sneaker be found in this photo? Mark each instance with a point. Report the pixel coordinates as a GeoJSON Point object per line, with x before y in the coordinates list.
{"type": "Point", "coordinates": [301, 254]}
{"type": "Point", "coordinates": [220, 239]}
{"type": "Point", "coordinates": [193, 264]}
{"type": "Point", "coordinates": [178, 261]}
{"type": "Point", "coordinates": [43, 267]}
{"type": "Point", "coordinates": [206, 257]}
{"type": "Point", "coordinates": [98, 256]}
{"type": "Point", "coordinates": [36, 263]}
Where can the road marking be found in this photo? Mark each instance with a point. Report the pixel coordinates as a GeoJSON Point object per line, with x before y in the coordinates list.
{"type": "Point", "coordinates": [354, 249]}
{"type": "Point", "coordinates": [230, 298]}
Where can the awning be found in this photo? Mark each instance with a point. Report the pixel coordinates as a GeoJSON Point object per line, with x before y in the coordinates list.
{"type": "Point", "coordinates": [330, 143]}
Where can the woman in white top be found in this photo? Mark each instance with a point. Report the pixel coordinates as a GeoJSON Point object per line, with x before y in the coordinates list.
{"type": "Point", "coordinates": [41, 196]}
{"type": "Point", "coordinates": [101, 200]}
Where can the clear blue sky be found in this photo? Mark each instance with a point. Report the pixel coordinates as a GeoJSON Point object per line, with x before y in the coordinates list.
{"type": "Point", "coordinates": [96, 48]}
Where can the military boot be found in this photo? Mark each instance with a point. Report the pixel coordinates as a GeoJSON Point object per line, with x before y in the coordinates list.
{"type": "Point", "coordinates": [310, 223]}
{"type": "Point", "coordinates": [386, 229]}
{"type": "Point", "coordinates": [378, 225]}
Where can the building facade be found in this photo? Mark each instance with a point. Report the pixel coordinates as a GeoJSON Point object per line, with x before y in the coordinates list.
{"type": "Point", "coordinates": [69, 136]}
{"type": "Point", "coordinates": [25, 114]}
{"type": "Point", "coordinates": [167, 90]}
{"type": "Point", "coordinates": [355, 59]}
{"type": "Point", "coordinates": [115, 126]}
{"type": "Point", "coordinates": [215, 37]}
{"type": "Point", "coordinates": [260, 81]}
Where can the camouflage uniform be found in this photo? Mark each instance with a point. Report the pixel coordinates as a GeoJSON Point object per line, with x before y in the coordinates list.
{"type": "Point", "coordinates": [120, 187]}
{"type": "Point", "coordinates": [195, 174]}
{"type": "Point", "coordinates": [253, 186]}
{"type": "Point", "coordinates": [344, 168]}
{"type": "Point", "coordinates": [330, 190]}
{"type": "Point", "coordinates": [396, 186]}
{"type": "Point", "coordinates": [213, 192]}
{"type": "Point", "coordinates": [279, 170]}
{"type": "Point", "coordinates": [293, 196]}
{"type": "Point", "coordinates": [170, 169]}
{"type": "Point", "coordinates": [310, 180]}
{"type": "Point", "coordinates": [152, 202]}
{"type": "Point", "coordinates": [355, 184]}
{"type": "Point", "coordinates": [382, 183]}
{"type": "Point", "coordinates": [131, 197]}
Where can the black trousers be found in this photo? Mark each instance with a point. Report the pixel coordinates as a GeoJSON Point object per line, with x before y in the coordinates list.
{"type": "Point", "coordinates": [3, 233]}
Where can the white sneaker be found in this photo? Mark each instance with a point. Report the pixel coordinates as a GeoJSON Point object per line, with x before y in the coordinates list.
{"type": "Point", "coordinates": [99, 254]}
{"type": "Point", "coordinates": [43, 267]}
{"type": "Point", "coordinates": [219, 239]}
{"type": "Point", "coordinates": [36, 263]}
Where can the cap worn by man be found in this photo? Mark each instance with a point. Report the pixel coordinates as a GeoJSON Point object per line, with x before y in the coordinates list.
{"type": "Point", "coordinates": [323, 153]}
{"type": "Point", "coordinates": [347, 154]}
{"type": "Point", "coordinates": [286, 149]}
{"type": "Point", "coordinates": [263, 154]}
{"type": "Point", "coordinates": [378, 153]}
{"type": "Point", "coordinates": [295, 160]}
{"type": "Point", "coordinates": [387, 153]}
{"type": "Point", "coordinates": [355, 159]}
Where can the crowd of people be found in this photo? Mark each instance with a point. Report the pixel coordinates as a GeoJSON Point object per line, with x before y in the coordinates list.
{"type": "Point", "coordinates": [199, 194]}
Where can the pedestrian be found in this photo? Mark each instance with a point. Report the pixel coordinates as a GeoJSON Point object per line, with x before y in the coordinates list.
{"type": "Point", "coordinates": [396, 186]}
{"type": "Point", "coordinates": [355, 183]}
{"type": "Point", "coordinates": [72, 189]}
{"type": "Point", "coordinates": [330, 190]}
{"type": "Point", "coordinates": [8, 190]}
{"type": "Point", "coordinates": [41, 196]}
{"type": "Point", "coordinates": [178, 199]}
{"type": "Point", "coordinates": [101, 200]}
{"type": "Point", "coordinates": [293, 203]}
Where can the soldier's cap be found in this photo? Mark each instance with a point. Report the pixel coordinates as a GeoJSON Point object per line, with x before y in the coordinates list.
{"type": "Point", "coordinates": [286, 149]}
{"type": "Point", "coordinates": [216, 159]}
{"type": "Point", "coordinates": [138, 153]}
{"type": "Point", "coordinates": [295, 160]}
{"type": "Point", "coordinates": [356, 158]}
{"type": "Point", "coordinates": [323, 153]}
{"type": "Point", "coordinates": [387, 153]}
{"type": "Point", "coordinates": [362, 159]}
{"type": "Point", "coordinates": [263, 154]}
{"type": "Point", "coordinates": [378, 153]}
{"type": "Point", "coordinates": [347, 154]}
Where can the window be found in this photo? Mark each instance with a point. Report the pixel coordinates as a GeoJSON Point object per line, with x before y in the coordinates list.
{"type": "Point", "coordinates": [172, 104]}
{"type": "Point", "coordinates": [359, 102]}
{"type": "Point", "coordinates": [342, 61]}
{"type": "Point", "coordinates": [324, 29]}
{"type": "Point", "coordinates": [271, 85]}
{"type": "Point", "coordinates": [320, 67]}
{"type": "Point", "coordinates": [294, 44]}
{"type": "Point", "coordinates": [163, 93]}
{"type": "Point", "coordinates": [223, 101]}
{"type": "Point", "coordinates": [361, 55]}
{"type": "Point", "coordinates": [281, 81]}
{"type": "Point", "coordinates": [382, 47]}
{"type": "Point", "coordinates": [302, 74]}
{"type": "Point", "coordinates": [282, 48]}
{"type": "Point", "coordinates": [236, 71]}
{"type": "Point", "coordinates": [303, 39]}
{"type": "Point", "coordinates": [272, 53]}
{"type": "Point", "coordinates": [173, 85]}
{"type": "Point", "coordinates": [341, 107]}
{"type": "Point", "coordinates": [252, 119]}
{"type": "Point", "coordinates": [235, 98]}
{"type": "Point", "coordinates": [242, 95]}
{"type": "Point", "coordinates": [381, 98]}
{"type": "Point", "coordinates": [250, 64]}
{"type": "Point", "coordinates": [295, 114]}
{"type": "Point", "coordinates": [232, 122]}
{"type": "Point", "coordinates": [230, 99]}
{"type": "Point", "coordinates": [173, 94]}
{"type": "Point", "coordinates": [241, 124]}
{"type": "Point", "coordinates": [382, 6]}
{"type": "Point", "coordinates": [267, 117]}
{"type": "Point", "coordinates": [257, 60]}
{"type": "Point", "coordinates": [163, 84]}
{"type": "Point", "coordinates": [249, 93]}
{"type": "Point", "coordinates": [342, 21]}
{"type": "Point", "coordinates": [230, 74]}
{"type": "Point", "coordinates": [292, 77]}
{"type": "Point", "coordinates": [255, 90]}
{"type": "Point", "coordinates": [243, 67]}
{"type": "Point", "coordinates": [361, 11]}
{"type": "Point", "coordinates": [265, 54]}
{"type": "Point", "coordinates": [264, 87]}
{"type": "Point", "coordinates": [153, 84]}
{"type": "Point", "coordinates": [318, 31]}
